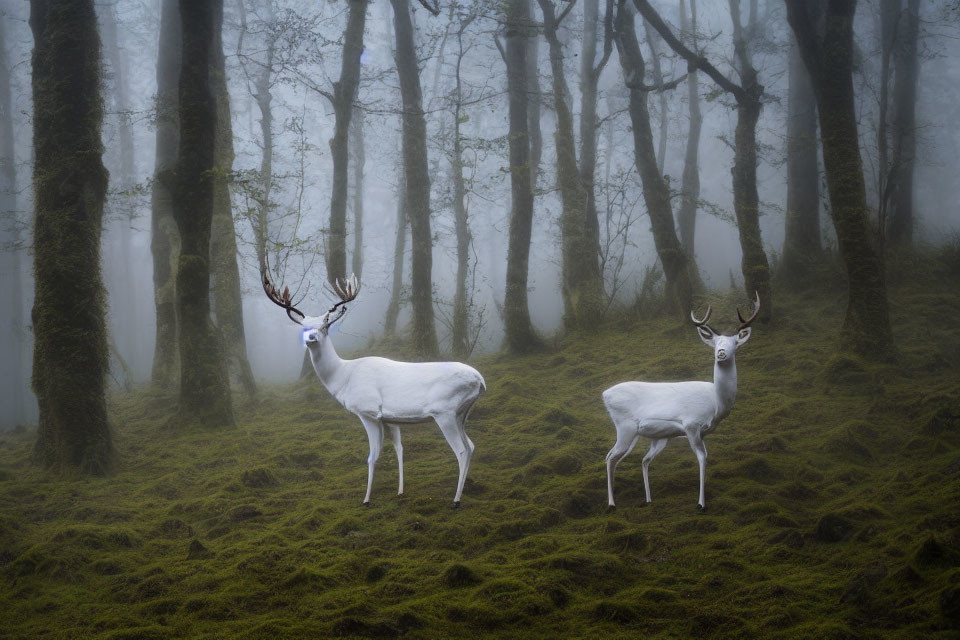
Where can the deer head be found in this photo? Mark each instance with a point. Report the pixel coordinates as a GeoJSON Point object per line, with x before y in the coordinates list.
{"type": "Point", "coordinates": [314, 328]}
{"type": "Point", "coordinates": [724, 347]}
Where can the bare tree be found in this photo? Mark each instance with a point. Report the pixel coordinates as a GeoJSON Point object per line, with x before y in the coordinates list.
{"type": "Point", "coordinates": [904, 144]}
{"type": "Point", "coordinates": [359, 159]}
{"type": "Point", "coordinates": [748, 94]}
{"type": "Point", "coordinates": [690, 186]}
{"type": "Point", "coordinates": [827, 53]}
{"type": "Point", "coordinates": [343, 96]}
{"type": "Point", "coordinates": [520, 336]}
{"type": "Point", "coordinates": [417, 178]}
{"type": "Point", "coordinates": [656, 191]}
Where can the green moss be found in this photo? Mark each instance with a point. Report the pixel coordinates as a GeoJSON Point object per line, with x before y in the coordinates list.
{"type": "Point", "coordinates": [202, 534]}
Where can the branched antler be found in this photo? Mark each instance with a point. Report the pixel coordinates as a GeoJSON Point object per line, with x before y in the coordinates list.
{"type": "Point", "coordinates": [347, 291]}
{"type": "Point", "coordinates": [756, 309]}
{"type": "Point", "coordinates": [281, 299]}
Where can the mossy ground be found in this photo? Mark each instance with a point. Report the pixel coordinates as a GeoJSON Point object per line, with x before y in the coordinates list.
{"type": "Point", "coordinates": [832, 505]}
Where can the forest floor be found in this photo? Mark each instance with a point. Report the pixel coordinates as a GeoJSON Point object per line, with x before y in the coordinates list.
{"type": "Point", "coordinates": [833, 504]}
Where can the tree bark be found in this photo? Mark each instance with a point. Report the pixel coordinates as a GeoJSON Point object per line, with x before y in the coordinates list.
{"type": "Point", "coordinates": [582, 284]}
{"type": "Point", "coordinates": [520, 336]}
{"type": "Point", "coordinates": [12, 370]}
{"type": "Point", "coordinates": [829, 60]}
{"type": "Point", "coordinates": [461, 303]}
{"type": "Point", "coordinates": [399, 248]}
{"type": "Point", "coordinates": [424, 333]}
{"type": "Point", "coordinates": [656, 192]}
{"type": "Point", "coordinates": [534, 101]}
{"type": "Point", "coordinates": [227, 299]}
{"type": "Point", "coordinates": [165, 238]}
{"type": "Point", "coordinates": [906, 73]}
{"type": "Point", "coordinates": [343, 97]}
{"type": "Point", "coordinates": [658, 80]}
{"type": "Point", "coordinates": [204, 385]}
{"type": "Point", "coordinates": [70, 359]}
{"type": "Point", "coordinates": [690, 187]}
{"type": "Point", "coordinates": [801, 243]}
{"type": "Point", "coordinates": [359, 159]}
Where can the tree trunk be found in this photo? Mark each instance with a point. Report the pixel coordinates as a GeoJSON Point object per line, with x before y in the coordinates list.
{"type": "Point", "coordinates": [520, 336]}
{"type": "Point", "coordinates": [227, 299]}
{"type": "Point", "coordinates": [399, 248]}
{"type": "Point", "coordinates": [204, 385]}
{"type": "Point", "coordinates": [904, 127]}
{"type": "Point", "coordinates": [829, 60]}
{"type": "Point", "coordinates": [582, 284]}
{"type": "Point", "coordinates": [801, 243]}
{"type": "Point", "coordinates": [344, 94]}
{"type": "Point", "coordinates": [165, 239]}
{"type": "Point", "coordinates": [424, 334]}
{"type": "Point", "coordinates": [690, 188]}
{"type": "Point", "coordinates": [461, 303]}
{"type": "Point", "coordinates": [656, 191]}
{"type": "Point", "coordinates": [359, 160]}
{"type": "Point", "coordinates": [534, 100]}
{"type": "Point", "coordinates": [652, 39]}
{"type": "Point", "coordinates": [70, 359]}
{"type": "Point", "coordinates": [746, 202]}
{"type": "Point", "coordinates": [12, 370]}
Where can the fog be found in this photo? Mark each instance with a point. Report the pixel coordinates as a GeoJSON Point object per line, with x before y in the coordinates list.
{"type": "Point", "coordinates": [308, 40]}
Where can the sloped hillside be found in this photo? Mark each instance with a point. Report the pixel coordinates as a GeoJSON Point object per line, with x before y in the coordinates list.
{"type": "Point", "coordinates": [833, 505]}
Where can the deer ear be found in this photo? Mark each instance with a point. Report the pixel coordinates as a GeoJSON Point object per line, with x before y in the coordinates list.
{"type": "Point", "coordinates": [743, 336]}
{"type": "Point", "coordinates": [707, 335]}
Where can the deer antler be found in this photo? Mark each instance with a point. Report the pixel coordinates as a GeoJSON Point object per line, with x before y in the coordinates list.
{"type": "Point", "coordinates": [347, 291]}
{"type": "Point", "coordinates": [756, 309]}
{"type": "Point", "coordinates": [280, 299]}
{"type": "Point", "coordinates": [703, 321]}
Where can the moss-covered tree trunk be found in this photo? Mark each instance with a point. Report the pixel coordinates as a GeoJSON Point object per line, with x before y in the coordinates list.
{"type": "Point", "coordinates": [165, 239]}
{"type": "Point", "coordinates": [829, 60]}
{"type": "Point", "coordinates": [12, 370]}
{"type": "Point", "coordinates": [344, 94]}
{"type": "Point", "coordinates": [70, 357]}
{"type": "Point", "coordinates": [520, 336]}
{"type": "Point", "coordinates": [204, 385]}
{"type": "Point", "coordinates": [227, 299]}
{"type": "Point", "coordinates": [656, 192]}
{"type": "Point", "coordinates": [424, 332]}
{"type": "Point", "coordinates": [534, 100]}
{"type": "Point", "coordinates": [582, 285]}
{"type": "Point", "coordinates": [801, 242]}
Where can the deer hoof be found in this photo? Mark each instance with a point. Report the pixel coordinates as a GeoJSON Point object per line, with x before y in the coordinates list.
{"type": "Point", "coordinates": [456, 504]}
{"type": "Point", "coordinates": [611, 508]}
{"type": "Point", "coordinates": [365, 503]}
{"type": "Point", "coordinates": [645, 504]}
{"type": "Point", "coordinates": [701, 508]}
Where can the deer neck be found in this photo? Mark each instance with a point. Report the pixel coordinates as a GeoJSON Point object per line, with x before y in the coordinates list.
{"type": "Point", "coordinates": [725, 385]}
{"type": "Point", "coordinates": [325, 361]}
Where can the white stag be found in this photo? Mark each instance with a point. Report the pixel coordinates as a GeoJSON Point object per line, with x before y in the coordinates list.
{"type": "Point", "coordinates": [691, 410]}
{"type": "Point", "coordinates": [384, 392]}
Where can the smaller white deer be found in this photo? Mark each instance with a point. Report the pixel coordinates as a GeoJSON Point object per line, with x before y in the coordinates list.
{"type": "Point", "coordinates": [662, 410]}
{"type": "Point", "coordinates": [385, 392]}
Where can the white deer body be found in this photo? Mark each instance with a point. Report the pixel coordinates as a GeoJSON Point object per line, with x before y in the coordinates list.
{"type": "Point", "coordinates": [386, 393]}
{"type": "Point", "coordinates": [662, 410]}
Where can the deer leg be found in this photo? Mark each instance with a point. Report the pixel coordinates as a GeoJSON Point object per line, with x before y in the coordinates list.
{"type": "Point", "coordinates": [462, 424]}
{"type": "Point", "coordinates": [374, 429]}
{"type": "Point", "coordinates": [626, 440]}
{"type": "Point", "coordinates": [656, 446]}
{"type": "Point", "coordinates": [700, 450]}
{"type": "Point", "coordinates": [398, 447]}
{"type": "Point", "coordinates": [450, 427]}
